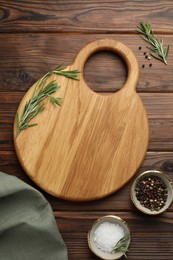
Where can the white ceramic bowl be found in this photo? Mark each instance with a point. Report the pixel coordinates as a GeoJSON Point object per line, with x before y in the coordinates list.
{"type": "Point", "coordinates": [168, 184]}
{"type": "Point", "coordinates": [98, 252]}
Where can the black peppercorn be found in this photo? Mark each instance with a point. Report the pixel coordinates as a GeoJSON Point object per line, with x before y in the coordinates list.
{"type": "Point", "coordinates": [151, 192]}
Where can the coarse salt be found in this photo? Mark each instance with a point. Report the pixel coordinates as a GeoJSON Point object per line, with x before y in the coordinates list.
{"type": "Point", "coordinates": [107, 235]}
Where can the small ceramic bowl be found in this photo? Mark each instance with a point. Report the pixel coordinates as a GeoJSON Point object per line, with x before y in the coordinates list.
{"type": "Point", "coordinates": [91, 234]}
{"type": "Point", "coordinates": [169, 188]}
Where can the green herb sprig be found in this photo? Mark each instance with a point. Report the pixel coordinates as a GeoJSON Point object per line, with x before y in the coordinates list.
{"type": "Point", "coordinates": [35, 105]}
{"type": "Point", "coordinates": [121, 245]}
{"type": "Point", "coordinates": [157, 49]}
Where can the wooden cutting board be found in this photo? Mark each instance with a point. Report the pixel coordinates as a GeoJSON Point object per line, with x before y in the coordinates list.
{"type": "Point", "coordinates": [93, 144]}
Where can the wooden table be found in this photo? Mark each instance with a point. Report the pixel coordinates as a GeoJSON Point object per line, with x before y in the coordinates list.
{"type": "Point", "coordinates": [37, 36]}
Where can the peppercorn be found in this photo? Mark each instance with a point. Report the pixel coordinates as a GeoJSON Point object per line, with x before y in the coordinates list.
{"type": "Point", "coordinates": [151, 192]}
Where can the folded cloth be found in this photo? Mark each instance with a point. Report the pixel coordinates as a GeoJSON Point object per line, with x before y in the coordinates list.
{"type": "Point", "coordinates": [28, 230]}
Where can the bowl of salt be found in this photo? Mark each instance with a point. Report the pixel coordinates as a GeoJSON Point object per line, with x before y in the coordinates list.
{"type": "Point", "coordinates": [109, 237]}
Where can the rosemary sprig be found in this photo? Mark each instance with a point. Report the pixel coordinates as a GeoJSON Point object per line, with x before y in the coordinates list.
{"type": "Point", "coordinates": [121, 245]}
{"type": "Point", "coordinates": [72, 74]}
{"type": "Point", "coordinates": [157, 49]}
{"type": "Point", "coordinates": [35, 105]}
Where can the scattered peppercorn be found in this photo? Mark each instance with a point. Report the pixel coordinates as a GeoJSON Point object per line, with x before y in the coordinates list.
{"type": "Point", "coordinates": [146, 57]}
{"type": "Point", "coordinates": [151, 192]}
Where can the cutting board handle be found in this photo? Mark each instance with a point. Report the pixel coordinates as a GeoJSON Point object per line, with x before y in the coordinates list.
{"type": "Point", "coordinates": [116, 47]}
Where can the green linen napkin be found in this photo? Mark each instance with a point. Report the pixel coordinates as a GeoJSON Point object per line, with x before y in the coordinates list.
{"type": "Point", "coordinates": [28, 230]}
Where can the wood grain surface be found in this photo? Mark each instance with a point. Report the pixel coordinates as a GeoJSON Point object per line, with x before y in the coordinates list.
{"type": "Point", "coordinates": [35, 37]}
{"type": "Point", "coordinates": [84, 16]}
{"type": "Point", "coordinates": [84, 142]}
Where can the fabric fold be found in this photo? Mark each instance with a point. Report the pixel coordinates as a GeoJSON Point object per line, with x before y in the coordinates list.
{"type": "Point", "coordinates": [28, 230]}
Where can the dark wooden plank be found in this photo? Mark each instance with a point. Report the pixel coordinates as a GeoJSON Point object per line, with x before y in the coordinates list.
{"type": "Point", "coordinates": [119, 201]}
{"type": "Point", "coordinates": [151, 236]}
{"type": "Point", "coordinates": [27, 57]}
{"type": "Point", "coordinates": [84, 16]}
{"type": "Point", "coordinates": [56, 30]}
{"type": "Point", "coordinates": [159, 108]}
{"type": "Point", "coordinates": [82, 221]}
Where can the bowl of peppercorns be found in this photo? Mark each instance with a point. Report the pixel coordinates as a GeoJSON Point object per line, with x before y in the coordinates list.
{"type": "Point", "coordinates": [152, 192]}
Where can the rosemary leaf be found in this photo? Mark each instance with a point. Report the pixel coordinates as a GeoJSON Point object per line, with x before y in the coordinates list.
{"type": "Point", "coordinates": [31, 125]}
{"type": "Point", "coordinates": [145, 38]}
{"type": "Point", "coordinates": [39, 108]}
{"type": "Point", "coordinates": [56, 101]}
{"type": "Point", "coordinates": [121, 245]}
{"type": "Point", "coordinates": [155, 56]}
{"type": "Point", "coordinates": [34, 106]}
{"type": "Point", "coordinates": [158, 51]}
{"type": "Point", "coordinates": [59, 67]}
{"type": "Point", "coordinates": [166, 51]}
{"type": "Point", "coordinates": [72, 74]}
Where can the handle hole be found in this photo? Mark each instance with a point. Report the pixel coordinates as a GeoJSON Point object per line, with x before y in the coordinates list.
{"type": "Point", "coordinates": [105, 72]}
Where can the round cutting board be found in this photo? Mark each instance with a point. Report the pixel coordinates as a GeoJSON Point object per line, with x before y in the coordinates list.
{"type": "Point", "coordinates": [93, 144]}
